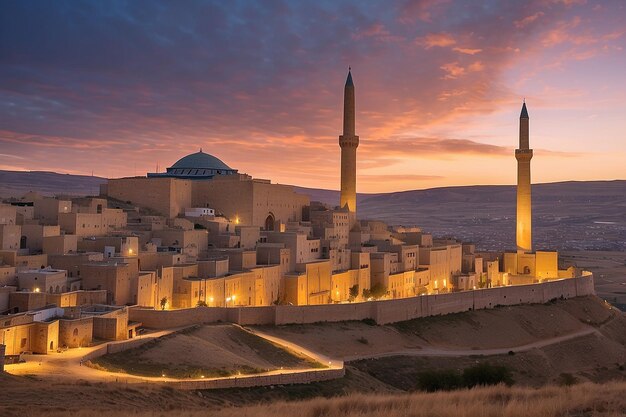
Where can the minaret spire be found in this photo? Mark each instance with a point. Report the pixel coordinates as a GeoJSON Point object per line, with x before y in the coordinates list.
{"type": "Point", "coordinates": [524, 204]}
{"type": "Point", "coordinates": [348, 143]}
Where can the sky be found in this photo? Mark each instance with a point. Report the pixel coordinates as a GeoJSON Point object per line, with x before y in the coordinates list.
{"type": "Point", "coordinates": [117, 88]}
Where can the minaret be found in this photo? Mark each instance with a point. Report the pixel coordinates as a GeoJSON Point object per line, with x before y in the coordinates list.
{"type": "Point", "coordinates": [348, 143]}
{"type": "Point", "coordinates": [524, 207]}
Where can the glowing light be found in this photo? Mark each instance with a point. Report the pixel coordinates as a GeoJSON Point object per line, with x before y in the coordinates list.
{"type": "Point", "coordinates": [237, 220]}
{"type": "Point", "coordinates": [36, 290]}
{"type": "Point", "coordinates": [210, 299]}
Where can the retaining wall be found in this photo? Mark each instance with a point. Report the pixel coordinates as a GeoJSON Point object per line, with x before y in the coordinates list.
{"type": "Point", "coordinates": [293, 377]}
{"type": "Point", "coordinates": [383, 312]}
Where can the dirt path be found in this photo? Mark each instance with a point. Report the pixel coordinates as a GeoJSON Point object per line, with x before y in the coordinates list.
{"type": "Point", "coordinates": [323, 359]}
{"type": "Point", "coordinates": [484, 352]}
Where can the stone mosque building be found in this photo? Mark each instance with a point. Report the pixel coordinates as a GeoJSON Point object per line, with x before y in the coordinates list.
{"type": "Point", "coordinates": [202, 180]}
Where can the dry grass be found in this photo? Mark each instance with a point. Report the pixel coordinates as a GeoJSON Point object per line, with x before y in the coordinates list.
{"type": "Point", "coordinates": [606, 400]}
{"type": "Point", "coordinates": [212, 350]}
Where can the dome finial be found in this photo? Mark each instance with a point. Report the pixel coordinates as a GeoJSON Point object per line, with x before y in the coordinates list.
{"type": "Point", "coordinates": [200, 149]}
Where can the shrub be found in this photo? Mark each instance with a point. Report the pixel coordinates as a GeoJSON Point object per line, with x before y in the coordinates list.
{"type": "Point", "coordinates": [450, 379]}
{"type": "Point", "coordinates": [378, 291]}
{"type": "Point", "coordinates": [444, 380]}
{"type": "Point", "coordinates": [567, 380]}
{"type": "Point", "coordinates": [486, 374]}
{"type": "Point", "coordinates": [354, 292]}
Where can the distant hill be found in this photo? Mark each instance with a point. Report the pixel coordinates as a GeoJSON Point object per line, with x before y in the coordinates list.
{"type": "Point", "coordinates": [566, 215]}
{"type": "Point", "coordinates": [18, 183]}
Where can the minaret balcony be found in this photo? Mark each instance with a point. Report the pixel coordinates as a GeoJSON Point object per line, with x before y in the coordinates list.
{"type": "Point", "coordinates": [348, 141]}
{"type": "Point", "coordinates": [523, 154]}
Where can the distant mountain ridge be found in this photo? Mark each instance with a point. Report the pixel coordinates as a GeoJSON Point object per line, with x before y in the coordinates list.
{"type": "Point", "coordinates": [566, 215]}
{"type": "Point", "coordinates": [18, 183]}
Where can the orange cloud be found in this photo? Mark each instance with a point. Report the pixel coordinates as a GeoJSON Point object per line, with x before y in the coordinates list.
{"type": "Point", "coordinates": [436, 39]}
{"type": "Point", "coordinates": [453, 70]}
{"type": "Point", "coordinates": [467, 51]}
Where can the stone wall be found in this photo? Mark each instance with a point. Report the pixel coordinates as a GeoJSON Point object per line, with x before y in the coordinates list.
{"type": "Point", "coordinates": [287, 378]}
{"type": "Point", "coordinates": [388, 311]}
{"type": "Point", "coordinates": [76, 333]}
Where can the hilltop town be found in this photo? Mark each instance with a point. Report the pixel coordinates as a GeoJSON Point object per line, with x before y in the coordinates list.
{"type": "Point", "coordinates": [202, 242]}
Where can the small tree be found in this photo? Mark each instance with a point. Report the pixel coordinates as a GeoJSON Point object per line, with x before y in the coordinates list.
{"type": "Point", "coordinates": [163, 303]}
{"type": "Point", "coordinates": [378, 291]}
{"type": "Point", "coordinates": [201, 303]}
{"type": "Point", "coordinates": [366, 293]}
{"type": "Point", "coordinates": [354, 292]}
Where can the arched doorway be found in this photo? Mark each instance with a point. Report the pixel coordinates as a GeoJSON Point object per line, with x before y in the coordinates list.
{"type": "Point", "coordinates": [269, 222]}
{"type": "Point", "coordinates": [23, 242]}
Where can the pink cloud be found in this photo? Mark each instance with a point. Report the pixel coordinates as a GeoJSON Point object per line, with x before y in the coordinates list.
{"type": "Point", "coordinates": [468, 51]}
{"type": "Point", "coordinates": [436, 39]}
{"type": "Point", "coordinates": [528, 20]}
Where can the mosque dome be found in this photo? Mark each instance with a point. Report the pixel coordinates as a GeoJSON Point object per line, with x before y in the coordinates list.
{"type": "Point", "coordinates": [194, 166]}
{"type": "Point", "coordinates": [200, 160]}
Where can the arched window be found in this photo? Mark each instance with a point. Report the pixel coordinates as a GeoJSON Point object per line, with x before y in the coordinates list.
{"type": "Point", "coordinates": [23, 243]}
{"type": "Point", "coordinates": [269, 222]}
{"type": "Point", "coordinates": [75, 332]}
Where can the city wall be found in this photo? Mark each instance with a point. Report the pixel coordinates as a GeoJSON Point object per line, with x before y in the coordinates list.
{"type": "Point", "coordinates": [382, 312]}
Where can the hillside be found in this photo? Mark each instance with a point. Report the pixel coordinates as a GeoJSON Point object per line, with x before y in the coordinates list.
{"type": "Point", "coordinates": [18, 183]}
{"type": "Point", "coordinates": [390, 373]}
{"type": "Point", "coordinates": [567, 215]}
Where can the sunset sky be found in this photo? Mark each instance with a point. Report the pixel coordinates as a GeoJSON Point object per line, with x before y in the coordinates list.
{"type": "Point", "coordinates": [114, 87]}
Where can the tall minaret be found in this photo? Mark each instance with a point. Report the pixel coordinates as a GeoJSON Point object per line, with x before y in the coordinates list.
{"type": "Point", "coordinates": [348, 143]}
{"type": "Point", "coordinates": [524, 207]}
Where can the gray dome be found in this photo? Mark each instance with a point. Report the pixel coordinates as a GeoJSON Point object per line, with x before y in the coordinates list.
{"type": "Point", "coordinates": [200, 160]}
